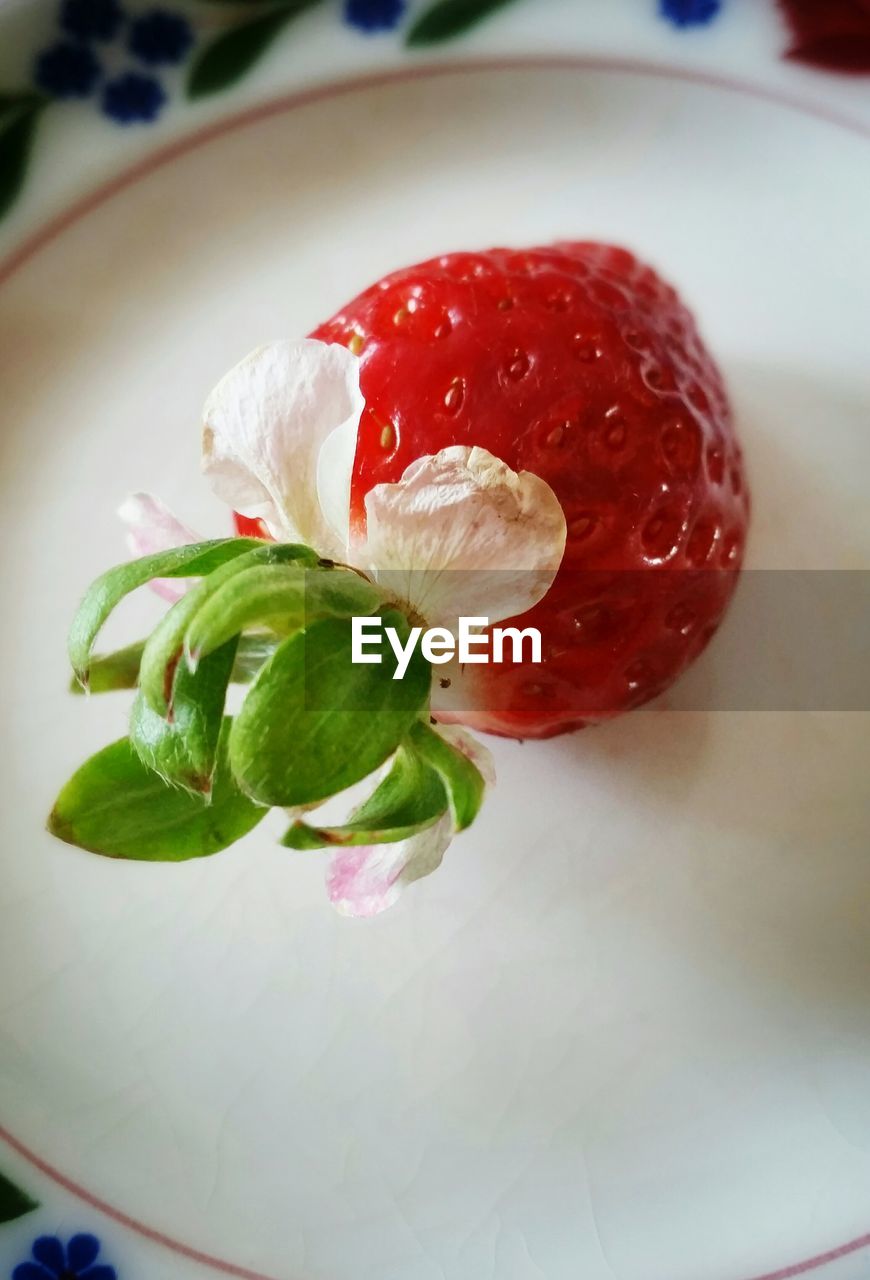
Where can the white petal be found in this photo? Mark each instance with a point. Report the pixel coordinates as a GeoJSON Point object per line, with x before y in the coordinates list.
{"type": "Point", "coordinates": [366, 881]}
{"type": "Point", "coordinates": [334, 475]}
{"type": "Point", "coordinates": [462, 534]}
{"type": "Point", "coordinates": [471, 747]}
{"type": "Point", "coordinates": [264, 425]}
{"type": "Point", "coordinates": [151, 527]}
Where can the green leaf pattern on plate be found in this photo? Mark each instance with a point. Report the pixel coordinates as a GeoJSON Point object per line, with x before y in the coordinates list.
{"type": "Point", "coordinates": [448, 19]}
{"type": "Point", "coordinates": [19, 117]}
{"type": "Point", "coordinates": [14, 1203]}
{"type": "Point", "coordinates": [223, 62]}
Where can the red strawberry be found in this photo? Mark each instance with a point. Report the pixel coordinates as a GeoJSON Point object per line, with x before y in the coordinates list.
{"type": "Point", "coordinates": [576, 362]}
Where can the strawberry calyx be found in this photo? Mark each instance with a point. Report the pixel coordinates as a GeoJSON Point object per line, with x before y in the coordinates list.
{"type": "Point", "coordinates": [189, 779]}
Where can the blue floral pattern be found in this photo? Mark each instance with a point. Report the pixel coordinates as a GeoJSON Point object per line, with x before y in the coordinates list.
{"type": "Point", "coordinates": [72, 68]}
{"type": "Point", "coordinates": [690, 13]}
{"type": "Point", "coordinates": [51, 1260]}
{"type": "Point", "coordinates": [133, 98]}
{"type": "Point", "coordinates": [374, 15]}
{"type": "Point", "coordinates": [91, 19]}
{"type": "Point", "coordinates": [160, 38]}
{"type": "Point", "coordinates": [66, 70]}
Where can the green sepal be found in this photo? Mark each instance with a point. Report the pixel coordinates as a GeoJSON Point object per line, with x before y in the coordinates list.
{"type": "Point", "coordinates": [115, 806]}
{"type": "Point", "coordinates": [251, 653]}
{"type": "Point", "coordinates": [163, 649]}
{"type": "Point", "coordinates": [183, 748]}
{"type": "Point", "coordinates": [281, 597]}
{"type": "Point", "coordinates": [314, 723]}
{"type": "Point", "coordinates": [408, 800]}
{"type": "Point", "coordinates": [110, 672]}
{"type": "Point", "coordinates": [463, 781]}
{"type": "Point", "coordinates": [197, 559]}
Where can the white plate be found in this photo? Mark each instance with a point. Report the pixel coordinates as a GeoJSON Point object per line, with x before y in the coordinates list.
{"type": "Point", "coordinates": [625, 1030]}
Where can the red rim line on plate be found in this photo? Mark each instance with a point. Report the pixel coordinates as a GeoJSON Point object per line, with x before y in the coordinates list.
{"type": "Point", "coordinates": [231, 1269]}
{"type": "Point", "coordinates": [102, 194]}
{"type": "Point", "coordinates": [821, 1260]}
{"type": "Point", "coordinates": [55, 226]}
{"type": "Point", "coordinates": [124, 1219]}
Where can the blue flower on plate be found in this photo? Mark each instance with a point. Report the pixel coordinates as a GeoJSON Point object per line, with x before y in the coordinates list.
{"type": "Point", "coordinates": [374, 15]}
{"type": "Point", "coordinates": [67, 70]}
{"type": "Point", "coordinates": [133, 98]}
{"type": "Point", "coordinates": [689, 13]}
{"type": "Point", "coordinates": [159, 38]}
{"type": "Point", "coordinates": [91, 19]}
{"type": "Point", "coordinates": [51, 1261]}
{"type": "Point", "coordinates": [71, 67]}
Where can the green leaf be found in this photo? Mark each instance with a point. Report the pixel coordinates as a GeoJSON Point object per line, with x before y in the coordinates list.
{"type": "Point", "coordinates": [450, 18]}
{"type": "Point", "coordinates": [17, 131]}
{"type": "Point", "coordinates": [110, 671]}
{"type": "Point", "coordinates": [114, 805]}
{"type": "Point", "coordinates": [282, 597]}
{"type": "Point", "coordinates": [313, 722]}
{"type": "Point", "coordinates": [408, 800]}
{"type": "Point", "coordinates": [252, 652]}
{"type": "Point", "coordinates": [462, 780]}
{"type": "Point", "coordinates": [14, 1202]}
{"type": "Point", "coordinates": [183, 749]}
{"type": "Point", "coordinates": [120, 670]}
{"type": "Point", "coordinates": [232, 55]}
{"type": "Point", "coordinates": [163, 649]}
{"type": "Point", "coordinates": [192, 561]}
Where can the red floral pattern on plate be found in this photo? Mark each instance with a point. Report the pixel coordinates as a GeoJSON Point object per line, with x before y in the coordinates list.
{"type": "Point", "coordinates": [831, 34]}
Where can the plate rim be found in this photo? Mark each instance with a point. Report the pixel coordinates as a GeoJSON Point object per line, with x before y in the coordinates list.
{"type": "Point", "coordinates": [103, 192]}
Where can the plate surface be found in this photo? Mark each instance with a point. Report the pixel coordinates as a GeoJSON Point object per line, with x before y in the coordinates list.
{"type": "Point", "coordinates": [625, 1030]}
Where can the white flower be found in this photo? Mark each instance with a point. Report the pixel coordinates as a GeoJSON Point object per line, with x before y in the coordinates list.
{"type": "Point", "coordinates": [460, 534]}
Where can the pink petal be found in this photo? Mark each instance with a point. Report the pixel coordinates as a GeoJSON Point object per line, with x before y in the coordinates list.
{"type": "Point", "coordinates": [365, 881]}
{"type": "Point", "coordinates": [151, 527]}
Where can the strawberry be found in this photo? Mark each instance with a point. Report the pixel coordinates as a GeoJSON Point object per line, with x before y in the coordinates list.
{"type": "Point", "coordinates": [576, 362]}
{"type": "Point", "coordinates": [554, 410]}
